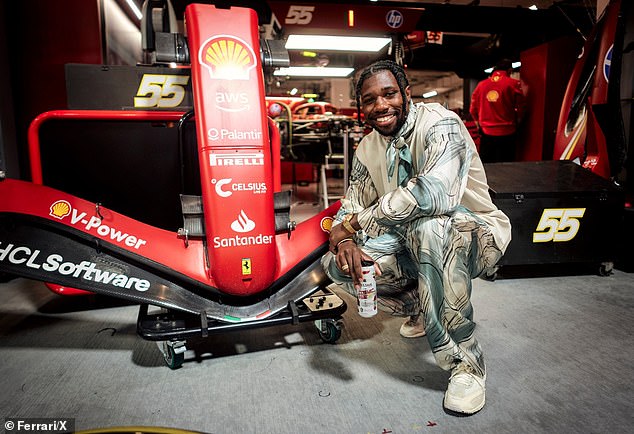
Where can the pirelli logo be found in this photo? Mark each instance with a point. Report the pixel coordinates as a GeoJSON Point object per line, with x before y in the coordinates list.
{"type": "Point", "coordinates": [255, 159]}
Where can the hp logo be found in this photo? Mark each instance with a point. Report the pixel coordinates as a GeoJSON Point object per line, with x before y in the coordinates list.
{"type": "Point", "coordinates": [394, 19]}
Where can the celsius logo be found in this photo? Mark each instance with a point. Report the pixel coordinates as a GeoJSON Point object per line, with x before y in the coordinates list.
{"type": "Point", "coordinates": [242, 224]}
{"type": "Point", "coordinates": [227, 58]}
{"type": "Point", "coordinates": [219, 184]}
{"type": "Point", "coordinates": [253, 187]}
{"type": "Point", "coordinates": [394, 19]}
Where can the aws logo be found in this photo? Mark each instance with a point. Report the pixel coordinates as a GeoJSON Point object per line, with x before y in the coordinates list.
{"type": "Point", "coordinates": [227, 58]}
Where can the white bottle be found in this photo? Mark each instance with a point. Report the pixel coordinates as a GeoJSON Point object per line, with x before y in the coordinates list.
{"type": "Point", "coordinates": [366, 295]}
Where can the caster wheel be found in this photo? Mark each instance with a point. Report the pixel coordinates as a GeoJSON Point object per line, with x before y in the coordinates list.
{"type": "Point", "coordinates": [329, 330]}
{"type": "Point", "coordinates": [606, 268]}
{"type": "Point", "coordinates": [173, 359]}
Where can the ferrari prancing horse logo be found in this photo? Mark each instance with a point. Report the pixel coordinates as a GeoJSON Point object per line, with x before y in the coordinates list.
{"type": "Point", "coordinates": [246, 266]}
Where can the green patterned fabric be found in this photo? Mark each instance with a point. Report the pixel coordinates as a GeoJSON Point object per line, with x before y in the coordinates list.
{"type": "Point", "coordinates": [398, 148]}
{"type": "Point", "coordinates": [428, 243]}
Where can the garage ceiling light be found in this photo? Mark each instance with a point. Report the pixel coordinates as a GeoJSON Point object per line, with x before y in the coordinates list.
{"type": "Point", "coordinates": [313, 71]}
{"type": "Point", "coordinates": [514, 65]}
{"type": "Point", "coordinates": [135, 9]}
{"type": "Point", "coordinates": [336, 43]}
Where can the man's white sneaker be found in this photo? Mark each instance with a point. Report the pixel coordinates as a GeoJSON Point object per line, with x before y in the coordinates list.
{"type": "Point", "coordinates": [413, 328]}
{"type": "Point", "coordinates": [466, 390]}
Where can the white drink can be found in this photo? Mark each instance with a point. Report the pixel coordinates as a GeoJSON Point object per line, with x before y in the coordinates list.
{"type": "Point", "coordinates": [366, 295]}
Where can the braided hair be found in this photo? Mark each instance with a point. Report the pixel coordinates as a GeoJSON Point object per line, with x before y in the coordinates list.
{"type": "Point", "coordinates": [382, 65]}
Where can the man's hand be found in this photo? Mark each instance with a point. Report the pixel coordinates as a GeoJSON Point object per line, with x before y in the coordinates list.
{"type": "Point", "coordinates": [348, 255]}
{"type": "Point", "coordinates": [346, 229]}
{"type": "Point", "coordinates": [338, 234]}
{"type": "Point", "coordinates": [348, 259]}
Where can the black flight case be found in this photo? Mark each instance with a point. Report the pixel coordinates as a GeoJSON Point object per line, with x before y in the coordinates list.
{"type": "Point", "coordinates": [561, 213]}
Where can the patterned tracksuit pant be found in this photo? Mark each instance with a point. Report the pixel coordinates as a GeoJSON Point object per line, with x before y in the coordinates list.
{"type": "Point", "coordinates": [427, 268]}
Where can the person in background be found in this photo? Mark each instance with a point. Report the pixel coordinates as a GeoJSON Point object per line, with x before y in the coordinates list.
{"type": "Point", "coordinates": [418, 205]}
{"type": "Point", "coordinates": [497, 106]}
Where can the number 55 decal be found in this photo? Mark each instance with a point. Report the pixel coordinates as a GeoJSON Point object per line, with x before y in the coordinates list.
{"type": "Point", "coordinates": [558, 224]}
{"type": "Point", "coordinates": [158, 90]}
{"type": "Point", "coordinates": [299, 14]}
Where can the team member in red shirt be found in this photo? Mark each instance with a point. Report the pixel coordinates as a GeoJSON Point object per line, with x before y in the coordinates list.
{"type": "Point", "coordinates": [497, 106]}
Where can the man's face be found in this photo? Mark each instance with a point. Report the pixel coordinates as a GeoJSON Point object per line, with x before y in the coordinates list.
{"type": "Point", "coordinates": [382, 103]}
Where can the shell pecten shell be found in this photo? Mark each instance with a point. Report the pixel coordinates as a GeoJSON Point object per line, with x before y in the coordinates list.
{"type": "Point", "coordinates": [60, 209]}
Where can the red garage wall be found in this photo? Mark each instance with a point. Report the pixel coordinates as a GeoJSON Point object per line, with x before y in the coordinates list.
{"type": "Point", "coordinates": [43, 36]}
{"type": "Point", "coordinates": [545, 73]}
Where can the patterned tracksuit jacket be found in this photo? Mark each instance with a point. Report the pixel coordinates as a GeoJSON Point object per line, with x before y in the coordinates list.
{"type": "Point", "coordinates": [431, 235]}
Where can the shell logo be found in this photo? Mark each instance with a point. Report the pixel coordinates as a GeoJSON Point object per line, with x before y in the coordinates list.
{"type": "Point", "coordinates": [326, 224]}
{"type": "Point", "coordinates": [227, 58]}
{"type": "Point", "coordinates": [60, 209]}
{"type": "Point", "coordinates": [493, 96]}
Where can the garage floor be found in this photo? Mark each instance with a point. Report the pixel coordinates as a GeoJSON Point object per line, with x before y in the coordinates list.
{"type": "Point", "coordinates": [559, 353]}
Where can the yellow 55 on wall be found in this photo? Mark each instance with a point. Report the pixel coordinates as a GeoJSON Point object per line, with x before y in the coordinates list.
{"type": "Point", "coordinates": [558, 224]}
{"type": "Point", "coordinates": [160, 90]}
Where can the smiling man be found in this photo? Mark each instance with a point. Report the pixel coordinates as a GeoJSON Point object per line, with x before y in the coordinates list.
{"type": "Point", "coordinates": [418, 205]}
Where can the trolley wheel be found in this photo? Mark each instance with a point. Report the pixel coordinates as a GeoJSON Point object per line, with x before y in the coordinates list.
{"type": "Point", "coordinates": [606, 268]}
{"type": "Point", "coordinates": [329, 330]}
{"type": "Point", "coordinates": [173, 359]}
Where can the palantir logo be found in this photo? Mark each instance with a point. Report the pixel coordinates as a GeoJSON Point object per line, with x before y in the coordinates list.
{"type": "Point", "coordinates": [213, 134]}
{"type": "Point", "coordinates": [242, 224]}
{"type": "Point", "coordinates": [394, 19]}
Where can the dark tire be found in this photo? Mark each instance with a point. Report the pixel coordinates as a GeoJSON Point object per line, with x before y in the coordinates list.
{"type": "Point", "coordinates": [332, 333]}
{"type": "Point", "coordinates": [606, 268]}
{"type": "Point", "coordinates": [172, 360]}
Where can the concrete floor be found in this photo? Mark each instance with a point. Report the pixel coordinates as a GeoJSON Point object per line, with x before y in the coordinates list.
{"type": "Point", "coordinates": [559, 352]}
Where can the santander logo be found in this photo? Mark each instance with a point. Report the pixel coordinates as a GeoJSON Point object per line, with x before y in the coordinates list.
{"type": "Point", "coordinates": [242, 224]}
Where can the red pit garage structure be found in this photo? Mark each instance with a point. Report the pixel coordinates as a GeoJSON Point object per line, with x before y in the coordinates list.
{"type": "Point", "coordinates": [237, 262]}
{"type": "Point", "coordinates": [576, 208]}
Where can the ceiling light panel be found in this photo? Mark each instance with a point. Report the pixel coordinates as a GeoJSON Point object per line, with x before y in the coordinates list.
{"type": "Point", "coordinates": [336, 43]}
{"type": "Point", "coordinates": [313, 71]}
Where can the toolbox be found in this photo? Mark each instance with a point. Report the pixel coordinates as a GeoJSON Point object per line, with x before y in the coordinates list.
{"type": "Point", "coordinates": [560, 212]}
